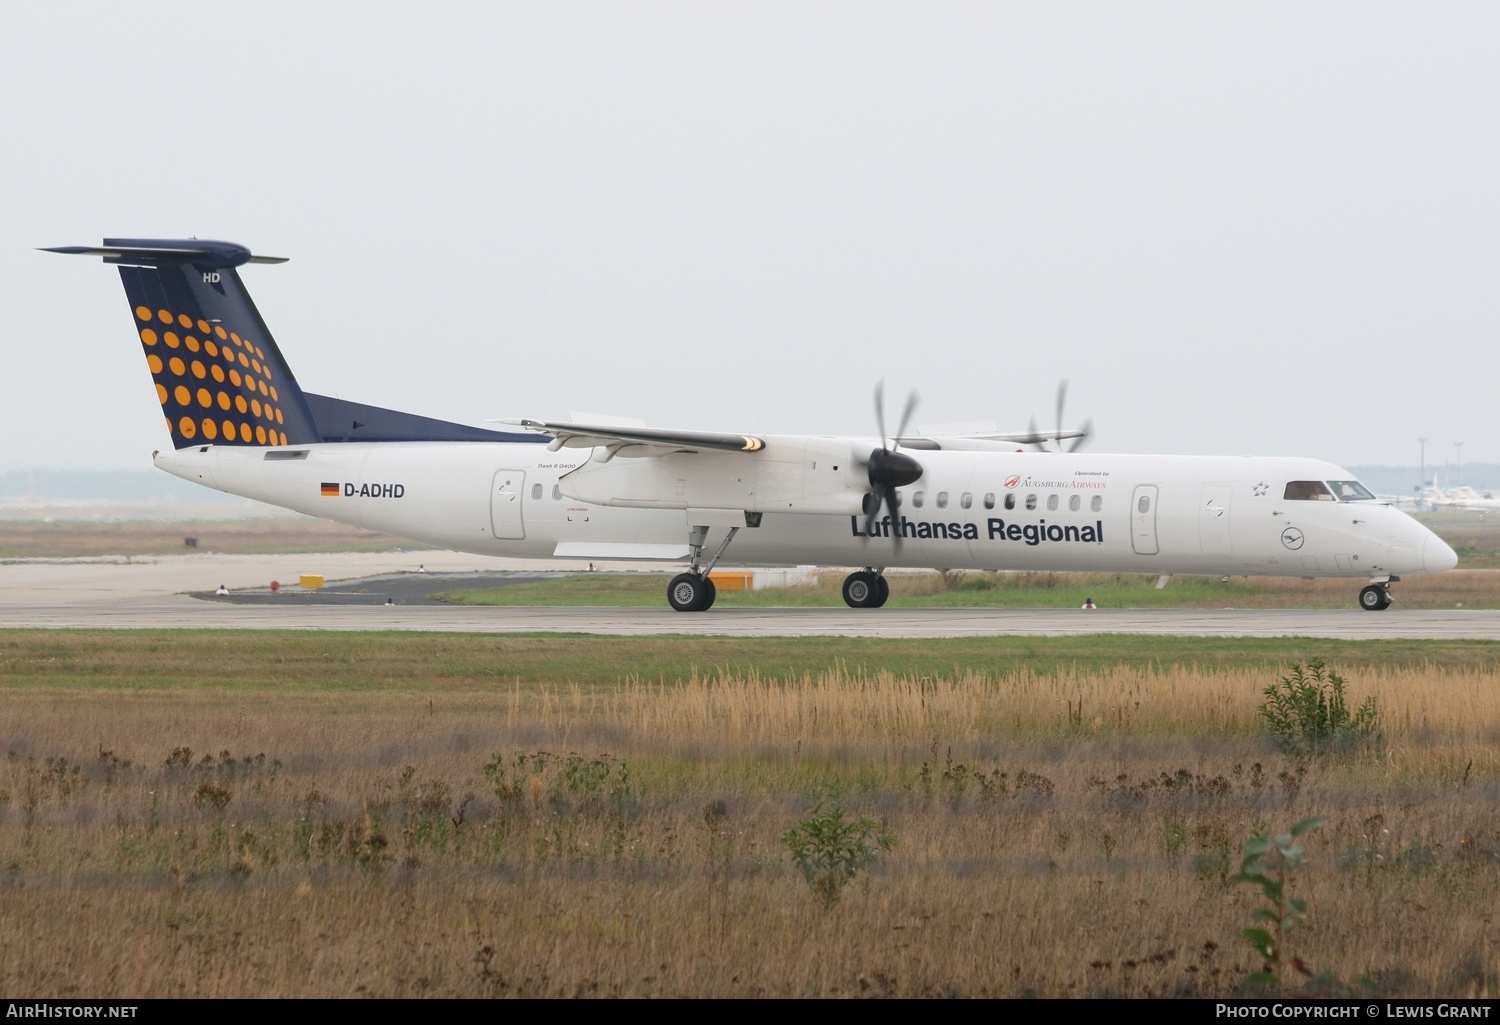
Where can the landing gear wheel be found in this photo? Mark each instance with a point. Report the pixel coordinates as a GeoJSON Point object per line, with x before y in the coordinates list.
{"type": "Point", "coordinates": [865, 590]}
{"type": "Point", "coordinates": [1375, 598]}
{"type": "Point", "coordinates": [885, 592]}
{"type": "Point", "coordinates": [691, 592]}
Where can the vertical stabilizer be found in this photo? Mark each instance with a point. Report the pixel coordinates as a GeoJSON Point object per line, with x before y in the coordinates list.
{"type": "Point", "coordinates": [219, 376]}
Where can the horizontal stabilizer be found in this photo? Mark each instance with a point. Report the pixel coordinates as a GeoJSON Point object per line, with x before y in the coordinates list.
{"type": "Point", "coordinates": [153, 252]}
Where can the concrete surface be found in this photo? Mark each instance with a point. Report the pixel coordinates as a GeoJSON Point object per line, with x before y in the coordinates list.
{"type": "Point", "coordinates": [141, 593]}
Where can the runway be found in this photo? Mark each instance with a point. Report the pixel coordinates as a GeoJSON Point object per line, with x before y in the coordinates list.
{"type": "Point", "coordinates": [144, 594]}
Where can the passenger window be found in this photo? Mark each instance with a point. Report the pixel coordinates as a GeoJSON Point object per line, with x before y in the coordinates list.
{"type": "Point", "coordinates": [989, 500]}
{"type": "Point", "coordinates": [1010, 501]}
{"type": "Point", "coordinates": [1144, 505]}
{"type": "Point", "coordinates": [1096, 503]}
{"type": "Point", "coordinates": [536, 491]}
{"type": "Point", "coordinates": [1074, 502]}
{"type": "Point", "coordinates": [967, 500]}
{"type": "Point", "coordinates": [942, 499]}
{"type": "Point", "coordinates": [1030, 503]}
{"type": "Point", "coordinates": [556, 492]}
{"type": "Point", "coordinates": [917, 498]}
{"type": "Point", "coordinates": [1307, 491]}
{"type": "Point", "coordinates": [1052, 503]}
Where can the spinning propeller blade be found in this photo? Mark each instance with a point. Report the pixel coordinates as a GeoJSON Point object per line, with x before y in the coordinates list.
{"type": "Point", "coordinates": [887, 468]}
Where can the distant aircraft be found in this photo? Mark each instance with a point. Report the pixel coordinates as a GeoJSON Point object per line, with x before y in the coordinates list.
{"type": "Point", "coordinates": [240, 423]}
{"type": "Point", "coordinates": [1459, 497]}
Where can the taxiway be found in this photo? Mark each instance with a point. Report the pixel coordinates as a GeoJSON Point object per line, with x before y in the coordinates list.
{"type": "Point", "coordinates": [153, 593]}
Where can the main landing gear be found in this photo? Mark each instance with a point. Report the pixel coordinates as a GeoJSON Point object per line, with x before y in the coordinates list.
{"type": "Point", "coordinates": [866, 589]}
{"type": "Point", "coordinates": [1377, 596]}
{"type": "Point", "coordinates": [693, 591]}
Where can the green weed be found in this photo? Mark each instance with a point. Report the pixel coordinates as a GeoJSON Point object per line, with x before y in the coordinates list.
{"type": "Point", "coordinates": [830, 849]}
{"type": "Point", "coordinates": [1306, 713]}
{"type": "Point", "coordinates": [1270, 862]}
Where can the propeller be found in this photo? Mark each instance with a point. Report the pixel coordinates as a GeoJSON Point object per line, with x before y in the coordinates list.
{"type": "Point", "coordinates": [888, 468]}
{"type": "Point", "coordinates": [1055, 438]}
{"type": "Point", "coordinates": [1087, 428]}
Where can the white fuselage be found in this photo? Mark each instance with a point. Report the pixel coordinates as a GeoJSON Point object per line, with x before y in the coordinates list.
{"type": "Point", "coordinates": [987, 509]}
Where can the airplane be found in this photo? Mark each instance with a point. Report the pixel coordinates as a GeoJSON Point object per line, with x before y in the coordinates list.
{"type": "Point", "coordinates": [1460, 496]}
{"type": "Point", "coordinates": [607, 490]}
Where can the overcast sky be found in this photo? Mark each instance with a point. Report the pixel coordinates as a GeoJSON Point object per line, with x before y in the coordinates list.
{"type": "Point", "coordinates": [1267, 228]}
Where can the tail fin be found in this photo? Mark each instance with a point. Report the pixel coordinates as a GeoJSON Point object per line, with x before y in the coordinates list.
{"type": "Point", "coordinates": [219, 375]}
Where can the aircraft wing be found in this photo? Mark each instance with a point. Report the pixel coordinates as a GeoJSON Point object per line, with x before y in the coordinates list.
{"type": "Point", "coordinates": [986, 430]}
{"type": "Point", "coordinates": [571, 435]}
{"type": "Point", "coordinates": [1026, 438]}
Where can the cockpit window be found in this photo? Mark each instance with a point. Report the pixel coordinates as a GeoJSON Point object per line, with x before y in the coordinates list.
{"type": "Point", "coordinates": [1350, 491]}
{"type": "Point", "coordinates": [1307, 491]}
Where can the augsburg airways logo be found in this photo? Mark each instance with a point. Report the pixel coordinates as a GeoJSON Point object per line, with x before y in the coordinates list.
{"type": "Point", "coordinates": [333, 489]}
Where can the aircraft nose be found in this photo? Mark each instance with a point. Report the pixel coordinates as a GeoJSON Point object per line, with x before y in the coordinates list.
{"type": "Point", "coordinates": [1437, 557]}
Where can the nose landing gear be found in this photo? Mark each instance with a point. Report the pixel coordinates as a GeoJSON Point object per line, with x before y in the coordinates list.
{"type": "Point", "coordinates": [1376, 597]}
{"type": "Point", "coordinates": [866, 589]}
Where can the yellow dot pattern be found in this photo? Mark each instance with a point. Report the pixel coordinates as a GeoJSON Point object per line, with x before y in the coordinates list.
{"type": "Point", "coordinates": [246, 411]}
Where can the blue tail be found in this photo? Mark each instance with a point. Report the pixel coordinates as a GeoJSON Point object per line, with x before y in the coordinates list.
{"type": "Point", "coordinates": [219, 376]}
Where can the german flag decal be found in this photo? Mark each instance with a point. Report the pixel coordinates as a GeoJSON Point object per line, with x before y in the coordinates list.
{"type": "Point", "coordinates": [330, 490]}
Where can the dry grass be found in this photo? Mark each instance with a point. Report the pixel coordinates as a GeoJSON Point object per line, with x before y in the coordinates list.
{"type": "Point", "coordinates": [1057, 834]}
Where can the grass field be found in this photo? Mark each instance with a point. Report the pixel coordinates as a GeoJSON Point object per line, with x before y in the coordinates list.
{"type": "Point", "coordinates": [1475, 536]}
{"type": "Point", "coordinates": [184, 813]}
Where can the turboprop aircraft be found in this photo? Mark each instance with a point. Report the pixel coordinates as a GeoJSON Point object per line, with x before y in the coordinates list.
{"type": "Point", "coordinates": [240, 423]}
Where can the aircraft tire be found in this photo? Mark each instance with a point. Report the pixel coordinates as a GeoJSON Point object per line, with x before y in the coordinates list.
{"type": "Point", "coordinates": [691, 592]}
{"type": "Point", "coordinates": [1374, 598]}
{"type": "Point", "coordinates": [885, 591]}
{"type": "Point", "coordinates": [862, 590]}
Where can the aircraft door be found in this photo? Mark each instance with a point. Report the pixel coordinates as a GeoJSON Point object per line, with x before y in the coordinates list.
{"type": "Point", "coordinates": [505, 505]}
{"type": "Point", "coordinates": [1213, 519]}
{"type": "Point", "coordinates": [1143, 519]}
